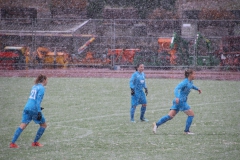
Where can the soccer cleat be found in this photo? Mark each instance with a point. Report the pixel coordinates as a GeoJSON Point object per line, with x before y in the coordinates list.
{"type": "Point", "coordinates": [154, 128]}
{"type": "Point", "coordinates": [144, 120]}
{"type": "Point", "coordinates": [132, 120]}
{"type": "Point", "coordinates": [189, 133]}
{"type": "Point", "coordinates": [36, 144]}
{"type": "Point", "coordinates": [13, 145]}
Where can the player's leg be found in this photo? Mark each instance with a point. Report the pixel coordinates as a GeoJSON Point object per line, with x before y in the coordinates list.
{"type": "Point", "coordinates": [132, 112]}
{"type": "Point", "coordinates": [17, 134]}
{"type": "Point", "coordinates": [134, 103]}
{"type": "Point", "coordinates": [164, 119]}
{"type": "Point", "coordinates": [167, 117]}
{"type": "Point", "coordinates": [42, 126]}
{"type": "Point", "coordinates": [143, 110]}
{"type": "Point", "coordinates": [143, 101]}
{"type": "Point", "coordinates": [189, 120]}
{"type": "Point", "coordinates": [26, 119]}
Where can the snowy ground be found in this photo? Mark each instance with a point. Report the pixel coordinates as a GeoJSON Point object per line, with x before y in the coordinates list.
{"type": "Point", "coordinates": [88, 118]}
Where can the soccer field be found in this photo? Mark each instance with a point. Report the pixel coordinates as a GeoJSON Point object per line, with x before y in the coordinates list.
{"type": "Point", "coordinates": [88, 118]}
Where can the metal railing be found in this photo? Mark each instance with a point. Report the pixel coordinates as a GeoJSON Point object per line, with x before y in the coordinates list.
{"type": "Point", "coordinates": [118, 42]}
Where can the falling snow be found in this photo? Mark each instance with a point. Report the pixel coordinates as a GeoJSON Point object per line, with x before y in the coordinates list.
{"type": "Point", "coordinates": [89, 48]}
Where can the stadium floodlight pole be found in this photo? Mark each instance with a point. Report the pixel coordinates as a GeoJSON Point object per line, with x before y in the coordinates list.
{"type": "Point", "coordinates": [195, 50]}
{"type": "Point", "coordinates": [173, 40]}
{"type": "Point", "coordinates": [207, 43]}
{"type": "Point", "coordinates": [55, 55]}
{"type": "Point", "coordinates": [113, 49]}
{"type": "Point", "coordinates": [114, 38]}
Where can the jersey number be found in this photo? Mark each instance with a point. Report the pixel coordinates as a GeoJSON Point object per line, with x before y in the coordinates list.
{"type": "Point", "coordinates": [33, 94]}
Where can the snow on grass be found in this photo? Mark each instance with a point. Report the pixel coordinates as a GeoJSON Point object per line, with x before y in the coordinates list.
{"type": "Point", "coordinates": [89, 119]}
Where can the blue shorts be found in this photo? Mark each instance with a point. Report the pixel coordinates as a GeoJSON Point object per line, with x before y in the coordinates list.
{"type": "Point", "coordinates": [138, 98]}
{"type": "Point", "coordinates": [181, 106]}
{"type": "Point", "coordinates": [28, 116]}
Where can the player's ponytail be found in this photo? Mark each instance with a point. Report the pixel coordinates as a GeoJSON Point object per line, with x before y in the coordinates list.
{"type": "Point", "coordinates": [40, 79]}
{"type": "Point", "coordinates": [188, 72]}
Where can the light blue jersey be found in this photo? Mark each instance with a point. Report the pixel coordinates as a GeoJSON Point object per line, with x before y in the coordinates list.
{"type": "Point", "coordinates": [137, 81]}
{"type": "Point", "coordinates": [34, 101]}
{"type": "Point", "coordinates": [30, 112]}
{"type": "Point", "coordinates": [182, 91]}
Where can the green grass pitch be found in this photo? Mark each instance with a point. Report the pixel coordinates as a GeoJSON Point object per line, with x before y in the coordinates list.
{"type": "Point", "coordinates": [89, 119]}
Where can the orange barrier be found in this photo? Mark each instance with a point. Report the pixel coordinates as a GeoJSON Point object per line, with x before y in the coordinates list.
{"type": "Point", "coordinates": [164, 45]}
{"type": "Point", "coordinates": [123, 55]}
{"type": "Point", "coordinates": [92, 58]}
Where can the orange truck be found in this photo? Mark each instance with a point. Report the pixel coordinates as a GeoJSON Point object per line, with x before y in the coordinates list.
{"type": "Point", "coordinates": [14, 57]}
{"type": "Point", "coordinates": [49, 58]}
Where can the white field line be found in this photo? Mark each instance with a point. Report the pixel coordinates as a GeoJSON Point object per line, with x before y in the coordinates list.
{"type": "Point", "coordinates": [89, 132]}
{"type": "Point", "coordinates": [221, 102]}
{"type": "Point", "coordinates": [123, 114]}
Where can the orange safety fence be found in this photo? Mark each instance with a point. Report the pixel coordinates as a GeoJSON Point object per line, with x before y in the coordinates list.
{"type": "Point", "coordinates": [123, 55]}
{"type": "Point", "coordinates": [164, 45]}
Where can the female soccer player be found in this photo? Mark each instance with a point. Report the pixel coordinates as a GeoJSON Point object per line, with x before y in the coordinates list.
{"type": "Point", "coordinates": [32, 111]}
{"type": "Point", "coordinates": [137, 83]}
{"type": "Point", "coordinates": [180, 102]}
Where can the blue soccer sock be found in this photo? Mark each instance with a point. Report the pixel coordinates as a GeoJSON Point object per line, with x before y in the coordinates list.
{"type": "Point", "coordinates": [39, 134]}
{"type": "Point", "coordinates": [143, 109]}
{"type": "Point", "coordinates": [17, 134]}
{"type": "Point", "coordinates": [188, 123]}
{"type": "Point", "coordinates": [132, 112]}
{"type": "Point", "coordinates": [163, 120]}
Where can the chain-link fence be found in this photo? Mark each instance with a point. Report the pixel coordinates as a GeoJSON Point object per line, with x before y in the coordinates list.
{"type": "Point", "coordinates": [51, 43]}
